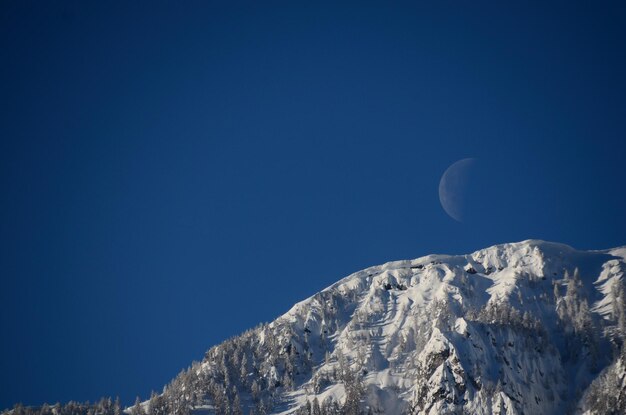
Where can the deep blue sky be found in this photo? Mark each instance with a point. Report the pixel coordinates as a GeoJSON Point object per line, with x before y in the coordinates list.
{"type": "Point", "coordinates": [173, 175]}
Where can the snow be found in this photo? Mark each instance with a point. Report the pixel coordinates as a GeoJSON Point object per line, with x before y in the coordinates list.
{"type": "Point", "coordinates": [519, 274]}
{"type": "Point", "coordinates": [419, 332]}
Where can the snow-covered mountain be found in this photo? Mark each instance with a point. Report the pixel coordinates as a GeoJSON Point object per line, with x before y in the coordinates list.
{"type": "Point", "coordinates": [523, 328]}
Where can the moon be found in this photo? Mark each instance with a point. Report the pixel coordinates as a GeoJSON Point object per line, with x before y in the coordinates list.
{"type": "Point", "coordinates": [453, 188]}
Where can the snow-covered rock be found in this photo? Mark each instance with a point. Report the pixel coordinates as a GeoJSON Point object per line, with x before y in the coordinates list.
{"type": "Point", "coordinates": [519, 328]}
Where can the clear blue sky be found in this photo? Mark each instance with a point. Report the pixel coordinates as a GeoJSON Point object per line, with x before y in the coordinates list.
{"type": "Point", "coordinates": [172, 175]}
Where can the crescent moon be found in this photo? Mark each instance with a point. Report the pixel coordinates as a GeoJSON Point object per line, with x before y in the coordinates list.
{"type": "Point", "coordinates": [453, 188]}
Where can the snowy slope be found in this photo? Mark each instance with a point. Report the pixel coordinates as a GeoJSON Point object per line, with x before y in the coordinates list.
{"type": "Point", "coordinates": [515, 328]}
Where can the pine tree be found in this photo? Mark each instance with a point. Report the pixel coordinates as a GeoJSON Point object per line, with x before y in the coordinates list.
{"type": "Point", "coordinates": [315, 408]}
{"type": "Point", "coordinates": [555, 287]}
{"type": "Point", "coordinates": [261, 408]}
{"type": "Point", "coordinates": [287, 380]}
{"type": "Point", "coordinates": [137, 409]}
{"type": "Point", "coordinates": [237, 405]}
{"type": "Point", "coordinates": [117, 407]}
{"type": "Point", "coordinates": [256, 390]}
{"type": "Point", "coordinates": [619, 307]}
{"type": "Point", "coordinates": [151, 410]}
{"type": "Point", "coordinates": [243, 370]}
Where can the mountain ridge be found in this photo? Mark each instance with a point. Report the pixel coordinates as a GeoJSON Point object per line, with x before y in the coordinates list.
{"type": "Point", "coordinates": [496, 274]}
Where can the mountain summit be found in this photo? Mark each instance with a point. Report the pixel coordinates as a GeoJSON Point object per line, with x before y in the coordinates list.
{"type": "Point", "coordinates": [521, 328]}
